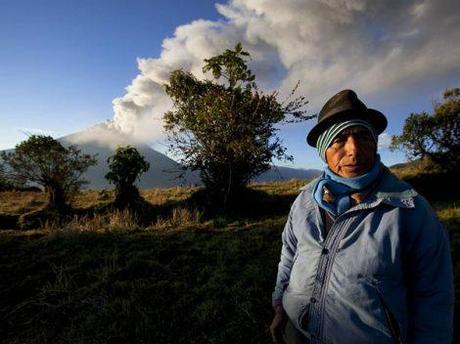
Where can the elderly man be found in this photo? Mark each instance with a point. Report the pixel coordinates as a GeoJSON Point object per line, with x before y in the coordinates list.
{"type": "Point", "coordinates": [364, 258]}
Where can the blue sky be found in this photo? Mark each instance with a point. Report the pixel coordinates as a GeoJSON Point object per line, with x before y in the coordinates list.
{"type": "Point", "coordinates": [62, 63]}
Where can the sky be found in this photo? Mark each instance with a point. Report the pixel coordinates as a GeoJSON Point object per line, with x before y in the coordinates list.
{"type": "Point", "coordinates": [69, 65]}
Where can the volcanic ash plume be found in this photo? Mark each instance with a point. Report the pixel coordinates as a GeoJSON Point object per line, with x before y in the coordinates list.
{"type": "Point", "coordinates": [370, 46]}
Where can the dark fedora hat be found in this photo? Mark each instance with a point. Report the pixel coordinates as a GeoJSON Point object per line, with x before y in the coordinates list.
{"type": "Point", "coordinates": [344, 106]}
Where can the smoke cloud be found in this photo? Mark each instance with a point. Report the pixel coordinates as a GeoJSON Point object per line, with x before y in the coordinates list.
{"type": "Point", "coordinates": [370, 46]}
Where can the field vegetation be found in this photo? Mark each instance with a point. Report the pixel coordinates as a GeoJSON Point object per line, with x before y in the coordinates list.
{"type": "Point", "coordinates": [184, 276]}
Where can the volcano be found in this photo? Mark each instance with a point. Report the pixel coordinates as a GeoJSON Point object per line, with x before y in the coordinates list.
{"type": "Point", "coordinates": [102, 140]}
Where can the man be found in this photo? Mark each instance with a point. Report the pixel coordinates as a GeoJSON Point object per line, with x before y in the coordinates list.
{"type": "Point", "coordinates": [364, 258]}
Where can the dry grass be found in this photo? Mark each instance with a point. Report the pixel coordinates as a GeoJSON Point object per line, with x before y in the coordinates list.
{"type": "Point", "coordinates": [281, 188]}
{"type": "Point", "coordinates": [447, 211]}
{"type": "Point", "coordinates": [125, 220]}
{"type": "Point", "coordinates": [162, 196]}
{"type": "Point", "coordinates": [91, 198]}
{"type": "Point", "coordinates": [111, 221]}
{"type": "Point", "coordinates": [19, 202]}
{"type": "Point", "coordinates": [178, 218]}
{"type": "Point", "coordinates": [412, 169]}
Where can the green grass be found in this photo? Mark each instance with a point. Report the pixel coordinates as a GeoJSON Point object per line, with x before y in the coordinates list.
{"type": "Point", "coordinates": [183, 279]}
{"type": "Point", "coordinates": [198, 286]}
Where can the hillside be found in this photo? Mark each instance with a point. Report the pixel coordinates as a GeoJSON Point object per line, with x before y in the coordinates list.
{"type": "Point", "coordinates": [182, 279]}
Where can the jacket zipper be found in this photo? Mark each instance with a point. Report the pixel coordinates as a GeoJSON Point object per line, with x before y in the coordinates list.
{"type": "Point", "coordinates": [391, 321]}
{"type": "Point", "coordinates": [332, 240]}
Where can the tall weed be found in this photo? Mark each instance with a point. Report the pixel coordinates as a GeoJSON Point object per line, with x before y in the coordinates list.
{"type": "Point", "coordinates": [178, 218]}
{"type": "Point", "coordinates": [112, 221]}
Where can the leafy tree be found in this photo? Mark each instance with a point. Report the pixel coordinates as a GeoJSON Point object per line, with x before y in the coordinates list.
{"type": "Point", "coordinates": [436, 136]}
{"type": "Point", "coordinates": [126, 166]}
{"type": "Point", "coordinates": [44, 161]}
{"type": "Point", "coordinates": [225, 127]}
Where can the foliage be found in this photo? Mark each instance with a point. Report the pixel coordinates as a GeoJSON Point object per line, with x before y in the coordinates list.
{"type": "Point", "coordinates": [434, 136]}
{"type": "Point", "coordinates": [44, 161]}
{"type": "Point", "coordinates": [125, 167]}
{"type": "Point", "coordinates": [227, 130]}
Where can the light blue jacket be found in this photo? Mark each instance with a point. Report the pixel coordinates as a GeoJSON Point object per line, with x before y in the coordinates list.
{"type": "Point", "coordinates": [383, 274]}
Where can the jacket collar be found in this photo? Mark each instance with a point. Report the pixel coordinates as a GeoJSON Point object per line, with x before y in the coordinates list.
{"type": "Point", "coordinates": [390, 190]}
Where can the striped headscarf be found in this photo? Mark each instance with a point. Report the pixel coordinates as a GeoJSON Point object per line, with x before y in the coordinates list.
{"type": "Point", "coordinates": [326, 138]}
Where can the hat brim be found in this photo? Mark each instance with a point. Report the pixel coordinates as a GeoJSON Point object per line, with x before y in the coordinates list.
{"type": "Point", "coordinates": [376, 118]}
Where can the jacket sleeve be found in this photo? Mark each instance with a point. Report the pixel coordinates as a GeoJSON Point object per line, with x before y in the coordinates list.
{"type": "Point", "coordinates": [288, 250]}
{"type": "Point", "coordinates": [431, 286]}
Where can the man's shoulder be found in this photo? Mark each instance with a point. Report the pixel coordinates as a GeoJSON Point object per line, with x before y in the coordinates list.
{"type": "Point", "coordinates": [401, 194]}
{"type": "Point", "coordinates": [390, 186]}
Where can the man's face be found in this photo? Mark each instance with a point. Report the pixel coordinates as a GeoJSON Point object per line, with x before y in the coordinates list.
{"type": "Point", "coordinates": [352, 152]}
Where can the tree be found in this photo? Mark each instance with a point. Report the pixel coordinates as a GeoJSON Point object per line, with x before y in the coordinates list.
{"type": "Point", "coordinates": [227, 130]}
{"type": "Point", "coordinates": [44, 161]}
{"type": "Point", "coordinates": [436, 136]}
{"type": "Point", "coordinates": [126, 166]}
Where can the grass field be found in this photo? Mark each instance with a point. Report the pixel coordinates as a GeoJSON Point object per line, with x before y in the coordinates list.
{"type": "Point", "coordinates": [182, 279]}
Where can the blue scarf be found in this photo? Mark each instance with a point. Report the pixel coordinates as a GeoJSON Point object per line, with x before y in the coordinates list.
{"type": "Point", "coordinates": [342, 188]}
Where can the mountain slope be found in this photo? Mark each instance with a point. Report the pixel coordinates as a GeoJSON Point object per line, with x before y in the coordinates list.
{"type": "Point", "coordinates": [163, 171]}
{"type": "Point", "coordinates": [103, 140]}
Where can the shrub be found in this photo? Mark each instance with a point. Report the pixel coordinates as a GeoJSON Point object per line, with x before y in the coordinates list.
{"type": "Point", "coordinates": [125, 167]}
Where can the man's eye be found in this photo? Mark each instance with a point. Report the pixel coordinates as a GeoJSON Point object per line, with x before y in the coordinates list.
{"type": "Point", "coordinates": [339, 139]}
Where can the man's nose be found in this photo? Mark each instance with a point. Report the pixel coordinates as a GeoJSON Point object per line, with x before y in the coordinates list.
{"type": "Point", "coordinates": [352, 146]}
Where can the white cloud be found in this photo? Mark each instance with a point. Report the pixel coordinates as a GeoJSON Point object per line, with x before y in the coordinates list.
{"type": "Point", "coordinates": [370, 46]}
{"type": "Point", "coordinates": [104, 134]}
{"type": "Point", "coordinates": [384, 141]}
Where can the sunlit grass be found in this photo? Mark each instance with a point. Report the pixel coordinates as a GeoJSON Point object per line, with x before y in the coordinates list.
{"type": "Point", "coordinates": [448, 211]}
{"type": "Point", "coordinates": [18, 202]}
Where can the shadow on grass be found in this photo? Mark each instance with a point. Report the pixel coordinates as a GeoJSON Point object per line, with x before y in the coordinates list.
{"type": "Point", "coordinates": [436, 186]}
{"type": "Point", "coordinates": [176, 287]}
{"type": "Point", "coordinates": [250, 204]}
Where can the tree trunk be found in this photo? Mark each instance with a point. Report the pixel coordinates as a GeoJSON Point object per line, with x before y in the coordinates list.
{"type": "Point", "coordinates": [127, 196]}
{"type": "Point", "coordinates": [56, 198]}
